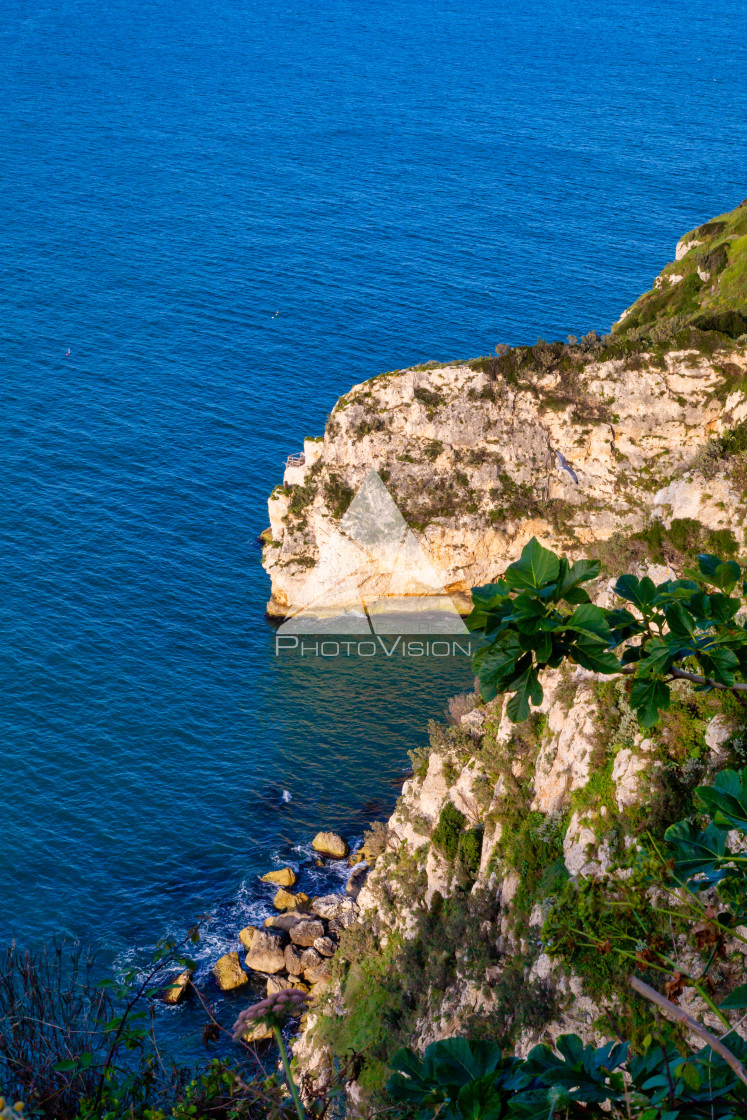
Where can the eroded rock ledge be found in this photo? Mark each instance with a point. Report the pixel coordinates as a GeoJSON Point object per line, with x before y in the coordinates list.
{"type": "Point", "coordinates": [477, 465]}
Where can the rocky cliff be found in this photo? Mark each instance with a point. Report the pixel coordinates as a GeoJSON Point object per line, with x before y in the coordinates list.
{"type": "Point", "coordinates": [573, 442]}
{"type": "Point", "coordinates": [632, 448]}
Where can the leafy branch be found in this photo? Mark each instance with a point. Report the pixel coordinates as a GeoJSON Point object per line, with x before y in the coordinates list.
{"type": "Point", "coordinates": [538, 615]}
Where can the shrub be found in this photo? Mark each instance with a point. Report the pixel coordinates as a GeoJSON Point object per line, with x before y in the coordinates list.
{"type": "Point", "coordinates": [338, 495]}
{"type": "Point", "coordinates": [461, 705]}
{"type": "Point", "coordinates": [470, 852]}
{"type": "Point", "coordinates": [448, 831]}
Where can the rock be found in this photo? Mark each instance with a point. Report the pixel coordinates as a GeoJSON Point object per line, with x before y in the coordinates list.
{"type": "Point", "coordinates": [717, 733]}
{"type": "Point", "coordinates": [266, 954]}
{"type": "Point", "coordinates": [285, 922]}
{"type": "Point", "coordinates": [582, 852]}
{"type": "Point", "coordinates": [281, 984]}
{"type": "Point", "coordinates": [331, 905]}
{"type": "Point", "coordinates": [284, 900]}
{"type": "Point", "coordinates": [292, 956]}
{"type": "Point", "coordinates": [176, 990]}
{"type": "Point", "coordinates": [277, 984]}
{"type": "Point", "coordinates": [228, 972]}
{"type": "Point", "coordinates": [246, 936]}
{"type": "Point", "coordinates": [310, 960]}
{"type": "Point", "coordinates": [284, 877]}
{"type": "Point", "coordinates": [684, 245]}
{"type": "Point", "coordinates": [306, 933]}
{"type": "Point", "coordinates": [320, 975]}
{"type": "Point", "coordinates": [326, 946]}
{"type": "Point", "coordinates": [346, 919]}
{"type": "Point", "coordinates": [626, 770]}
{"type": "Point", "coordinates": [564, 761]}
{"type": "Point", "coordinates": [355, 883]}
{"type": "Point", "coordinates": [331, 845]}
{"type": "Point", "coordinates": [258, 1033]}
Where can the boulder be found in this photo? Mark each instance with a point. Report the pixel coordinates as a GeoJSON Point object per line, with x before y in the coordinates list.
{"type": "Point", "coordinates": [331, 845]}
{"type": "Point", "coordinates": [331, 905]}
{"type": "Point", "coordinates": [266, 954]}
{"type": "Point", "coordinates": [326, 946]}
{"type": "Point", "coordinates": [306, 933]}
{"type": "Point", "coordinates": [293, 963]}
{"type": "Point", "coordinates": [285, 922]}
{"type": "Point", "coordinates": [177, 988]}
{"type": "Point", "coordinates": [246, 936]}
{"type": "Point", "coordinates": [277, 984]}
{"type": "Point", "coordinates": [355, 883]}
{"type": "Point", "coordinates": [260, 1032]}
{"type": "Point", "coordinates": [281, 984]}
{"type": "Point", "coordinates": [283, 877]}
{"type": "Point", "coordinates": [310, 960]}
{"type": "Point", "coordinates": [284, 900]}
{"type": "Point", "coordinates": [228, 972]}
{"type": "Point", "coordinates": [320, 975]}
{"type": "Point", "coordinates": [345, 920]}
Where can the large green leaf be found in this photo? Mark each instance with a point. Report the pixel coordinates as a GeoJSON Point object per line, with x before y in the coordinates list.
{"type": "Point", "coordinates": [482, 1099]}
{"type": "Point", "coordinates": [571, 575]}
{"type": "Point", "coordinates": [659, 654]}
{"type": "Point", "coordinates": [720, 663]}
{"type": "Point", "coordinates": [680, 621]}
{"type": "Point", "coordinates": [592, 622]}
{"type": "Point", "coordinates": [726, 799]}
{"type": "Point", "coordinates": [585, 1073]}
{"type": "Point", "coordinates": [713, 570]}
{"type": "Point", "coordinates": [536, 567]}
{"type": "Point", "coordinates": [736, 1000]}
{"type": "Point", "coordinates": [649, 696]}
{"type": "Point", "coordinates": [527, 688]}
{"type": "Point", "coordinates": [639, 592]}
{"type": "Point", "coordinates": [445, 1068]}
{"type": "Point", "coordinates": [593, 656]}
{"type": "Point", "coordinates": [540, 644]}
{"type": "Point", "coordinates": [697, 852]}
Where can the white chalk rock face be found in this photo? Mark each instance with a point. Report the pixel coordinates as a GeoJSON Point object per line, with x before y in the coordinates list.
{"type": "Point", "coordinates": [626, 774]}
{"type": "Point", "coordinates": [413, 492]}
{"type": "Point", "coordinates": [564, 761]}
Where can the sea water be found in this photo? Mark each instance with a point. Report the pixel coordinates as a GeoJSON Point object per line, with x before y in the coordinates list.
{"type": "Point", "coordinates": [216, 218]}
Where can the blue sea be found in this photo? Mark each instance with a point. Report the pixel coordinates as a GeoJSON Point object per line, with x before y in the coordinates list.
{"type": "Point", "coordinates": [228, 213]}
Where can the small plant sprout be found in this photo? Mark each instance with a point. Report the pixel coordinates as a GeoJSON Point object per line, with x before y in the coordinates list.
{"type": "Point", "coordinates": [274, 1012]}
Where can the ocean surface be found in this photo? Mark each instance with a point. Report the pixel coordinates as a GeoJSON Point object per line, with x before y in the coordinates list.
{"type": "Point", "coordinates": [228, 213]}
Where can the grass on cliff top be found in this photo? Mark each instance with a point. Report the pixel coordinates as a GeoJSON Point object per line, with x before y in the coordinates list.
{"type": "Point", "coordinates": [712, 291]}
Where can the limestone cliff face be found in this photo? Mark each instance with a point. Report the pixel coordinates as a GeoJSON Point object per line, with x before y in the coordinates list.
{"type": "Point", "coordinates": [479, 457]}
{"type": "Point", "coordinates": [551, 802]}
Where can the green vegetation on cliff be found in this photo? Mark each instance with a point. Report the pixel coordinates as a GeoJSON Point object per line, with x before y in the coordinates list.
{"type": "Point", "coordinates": [705, 288]}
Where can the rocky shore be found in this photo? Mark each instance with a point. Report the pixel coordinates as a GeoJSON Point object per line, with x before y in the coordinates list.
{"type": "Point", "coordinates": [294, 947]}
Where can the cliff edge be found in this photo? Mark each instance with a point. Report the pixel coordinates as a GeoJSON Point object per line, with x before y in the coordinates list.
{"type": "Point", "coordinates": [574, 442]}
